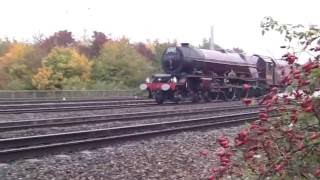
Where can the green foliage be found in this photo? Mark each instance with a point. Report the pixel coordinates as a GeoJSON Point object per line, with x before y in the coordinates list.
{"type": "Point", "coordinates": [16, 68]}
{"type": "Point", "coordinates": [121, 64]}
{"type": "Point", "coordinates": [63, 68]}
{"type": "Point", "coordinates": [300, 33]}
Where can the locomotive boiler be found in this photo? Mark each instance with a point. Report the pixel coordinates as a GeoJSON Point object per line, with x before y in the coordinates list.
{"type": "Point", "coordinates": [200, 74]}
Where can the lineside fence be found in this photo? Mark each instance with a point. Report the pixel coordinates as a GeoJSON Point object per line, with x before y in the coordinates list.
{"type": "Point", "coordinates": [65, 94]}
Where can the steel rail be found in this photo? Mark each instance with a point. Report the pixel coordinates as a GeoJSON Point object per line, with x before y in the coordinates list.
{"type": "Point", "coordinates": [69, 121]}
{"type": "Point", "coordinates": [84, 107]}
{"type": "Point", "coordinates": [60, 100]}
{"type": "Point", "coordinates": [74, 108]}
{"type": "Point", "coordinates": [70, 104]}
{"type": "Point", "coordinates": [23, 147]}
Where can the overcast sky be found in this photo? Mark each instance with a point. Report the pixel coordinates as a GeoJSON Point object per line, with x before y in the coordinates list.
{"type": "Point", "coordinates": [236, 22]}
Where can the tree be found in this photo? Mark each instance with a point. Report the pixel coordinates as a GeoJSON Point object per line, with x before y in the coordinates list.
{"type": "Point", "coordinates": [63, 68]}
{"type": "Point", "coordinates": [99, 39]}
{"type": "Point", "coordinates": [119, 63]}
{"type": "Point", "coordinates": [60, 39]}
{"type": "Point", "coordinates": [16, 67]}
{"type": "Point", "coordinates": [145, 51]}
{"type": "Point", "coordinates": [91, 48]}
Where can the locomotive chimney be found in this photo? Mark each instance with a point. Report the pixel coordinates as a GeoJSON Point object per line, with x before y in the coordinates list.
{"type": "Point", "coordinates": [185, 44]}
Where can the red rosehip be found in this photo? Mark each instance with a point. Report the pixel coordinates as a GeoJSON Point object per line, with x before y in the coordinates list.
{"type": "Point", "coordinates": [297, 76]}
{"type": "Point", "coordinates": [296, 72]}
{"type": "Point", "coordinates": [306, 102]}
{"type": "Point", "coordinates": [224, 159]}
{"type": "Point", "coordinates": [263, 115]}
{"type": "Point", "coordinates": [225, 144]}
{"type": "Point", "coordinates": [308, 66]}
{"type": "Point", "coordinates": [274, 89]}
{"type": "Point", "coordinates": [223, 141]}
{"type": "Point", "coordinates": [247, 101]}
{"type": "Point", "coordinates": [314, 135]}
{"type": "Point", "coordinates": [204, 152]}
{"type": "Point", "coordinates": [220, 152]}
{"type": "Point", "coordinates": [298, 95]}
{"type": "Point", "coordinates": [254, 126]}
{"type": "Point", "coordinates": [282, 109]}
{"type": "Point", "coordinates": [317, 172]}
{"type": "Point", "coordinates": [291, 58]}
{"type": "Point", "coordinates": [279, 167]}
{"type": "Point", "coordinates": [309, 109]}
{"type": "Point", "coordinates": [301, 146]}
{"type": "Point", "coordinates": [239, 142]}
{"type": "Point", "coordinates": [212, 177]}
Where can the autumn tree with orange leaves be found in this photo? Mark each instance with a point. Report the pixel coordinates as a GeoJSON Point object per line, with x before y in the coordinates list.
{"type": "Point", "coordinates": [63, 68]}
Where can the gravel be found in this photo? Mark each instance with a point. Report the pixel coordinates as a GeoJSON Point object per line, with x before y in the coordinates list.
{"type": "Point", "coordinates": [52, 130]}
{"type": "Point", "coordinates": [175, 156]}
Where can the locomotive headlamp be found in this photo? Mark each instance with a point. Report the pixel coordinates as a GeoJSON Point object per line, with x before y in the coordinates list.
{"type": "Point", "coordinates": [174, 80]}
{"type": "Point", "coordinates": [147, 80]}
{"type": "Point", "coordinates": [165, 87]}
{"type": "Point", "coordinates": [143, 87]}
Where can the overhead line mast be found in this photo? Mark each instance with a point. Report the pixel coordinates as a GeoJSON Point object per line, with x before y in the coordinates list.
{"type": "Point", "coordinates": [211, 39]}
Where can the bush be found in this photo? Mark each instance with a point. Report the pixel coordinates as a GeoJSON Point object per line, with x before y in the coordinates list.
{"type": "Point", "coordinates": [286, 146]}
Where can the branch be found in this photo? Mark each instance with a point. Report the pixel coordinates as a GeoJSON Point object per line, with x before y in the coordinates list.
{"type": "Point", "coordinates": [290, 153]}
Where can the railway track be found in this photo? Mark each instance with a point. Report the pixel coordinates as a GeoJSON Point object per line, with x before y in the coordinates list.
{"type": "Point", "coordinates": [69, 121]}
{"type": "Point", "coordinates": [79, 106]}
{"type": "Point", "coordinates": [23, 147]}
{"type": "Point", "coordinates": [42, 101]}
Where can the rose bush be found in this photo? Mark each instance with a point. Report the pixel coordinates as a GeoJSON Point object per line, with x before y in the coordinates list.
{"type": "Point", "coordinates": [284, 142]}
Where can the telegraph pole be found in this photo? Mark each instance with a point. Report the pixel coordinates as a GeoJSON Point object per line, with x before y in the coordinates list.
{"type": "Point", "coordinates": [211, 39]}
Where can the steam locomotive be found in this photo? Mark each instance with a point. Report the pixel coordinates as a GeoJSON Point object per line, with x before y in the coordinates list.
{"type": "Point", "coordinates": [205, 75]}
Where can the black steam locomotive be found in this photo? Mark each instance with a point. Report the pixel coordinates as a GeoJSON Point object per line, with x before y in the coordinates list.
{"type": "Point", "coordinates": [200, 74]}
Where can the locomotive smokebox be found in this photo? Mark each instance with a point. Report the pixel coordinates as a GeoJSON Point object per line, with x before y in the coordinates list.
{"type": "Point", "coordinates": [176, 60]}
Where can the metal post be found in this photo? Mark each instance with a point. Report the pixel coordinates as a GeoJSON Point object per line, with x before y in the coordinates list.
{"type": "Point", "coordinates": [211, 39]}
{"type": "Point", "coordinates": [33, 94]}
{"type": "Point", "coordinates": [12, 95]}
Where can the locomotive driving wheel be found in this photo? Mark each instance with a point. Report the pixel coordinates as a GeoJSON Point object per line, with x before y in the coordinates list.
{"type": "Point", "coordinates": [206, 97]}
{"type": "Point", "coordinates": [231, 93]}
{"type": "Point", "coordinates": [177, 97]}
{"type": "Point", "coordinates": [195, 97]}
